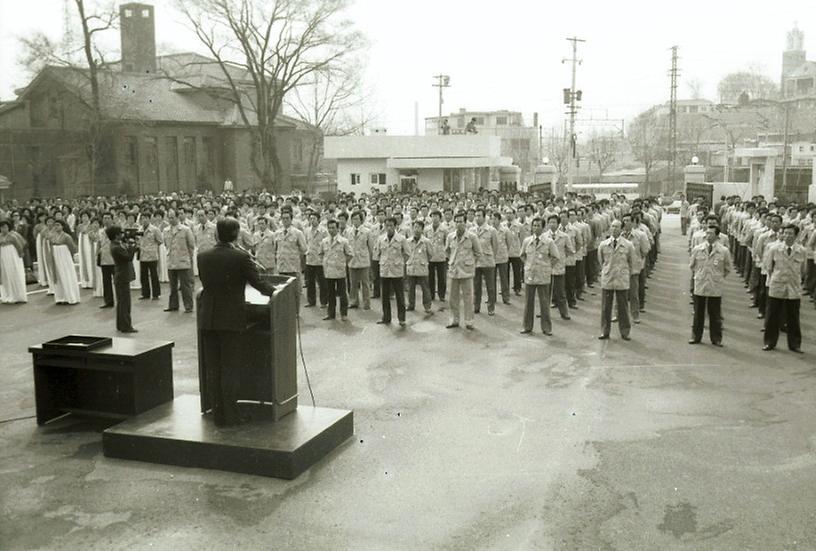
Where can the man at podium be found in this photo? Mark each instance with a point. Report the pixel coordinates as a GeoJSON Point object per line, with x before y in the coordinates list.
{"type": "Point", "coordinates": [225, 271]}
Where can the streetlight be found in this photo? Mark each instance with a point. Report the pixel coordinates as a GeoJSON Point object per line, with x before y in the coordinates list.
{"type": "Point", "coordinates": [442, 81]}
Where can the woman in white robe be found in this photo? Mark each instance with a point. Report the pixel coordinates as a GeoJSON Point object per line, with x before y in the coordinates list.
{"type": "Point", "coordinates": [12, 271]}
{"type": "Point", "coordinates": [86, 259]}
{"type": "Point", "coordinates": [164, 277]}
{"type": "Point", "coordinates": [66, 286]}
{"type": "Point", "coordinates": [98, 290]}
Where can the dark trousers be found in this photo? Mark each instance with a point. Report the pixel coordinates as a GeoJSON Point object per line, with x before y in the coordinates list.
{"type": "Point", "coordinates": [488, 275]}
{"type": "Point", "coordinates": [123, 322]}
{"type": "Point", "coordinates": [642, 289]}
{"type": "Point", "coordinates": [622, 298]}
{"type": "Point", "coordinates": [336, 287]}
{"type": "Point", "coordinates": [438, 279]}
{"type": "Point", "coordinates": [389, 285]}
{"type": "Point", "coordinates": [422, 281]}
{"type": "Point", "coordinates": [810, 278]}
{"type": "Point", "coordinates": [315, 281]}
{"type": "Point", "coordinates": [684, 224]}
{"type": "Point", "coordinates": [569, 285]}
{"type": "Point", "coordinates": [375, 278]}
{"type": "Point", "coordinates": [543, 292]}
{"type": "Point", "coordinates": [559, 295]}
{"type": "Point", "coordinates": [503, 274]}
{"type": "Point", "coordinates": [518, 273]}
{"type": "Point", "coordinates": [762, 294]}
{"type": "Point", "coordinates": [223, 355]}
{"type": "Point", "coordinates": [149, 276]}
{"type": "Point", "coordinates": [107, 284]}
{"type": "Point", "coordinates": [713, 305]}
{"type": "Point", "coordinates": [748, 264]}
{"type": "Point", "coordinates": [580, 278]}
{"type": "Point", "coordinates": [591, 267]}
{"type": "Point", "coordinates": [781, 310]}
{"type": "Point", "coordinates": [183, 279]}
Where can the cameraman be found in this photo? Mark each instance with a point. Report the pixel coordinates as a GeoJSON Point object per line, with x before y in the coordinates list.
{"type": "Point", "coordinates": [122, 252]}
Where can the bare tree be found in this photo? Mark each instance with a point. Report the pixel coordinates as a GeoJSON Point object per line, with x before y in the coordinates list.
{"type": "Point", "coordinates": [695, 88]}
{"type": "Point", "coordinates": [602, 152]}
{"type": "Point", "coordinates": [85, 59]}
{"type": "Point", "coordinates": [752, 83]}
{"type": "Point", "coordinates": [335, 103]}
{"type": "Point", "coordinates": [558, 151]}
{"type": "Point", "coordinates": [647, 140]}
{"type": "Point", "coordinates": [279, 44]}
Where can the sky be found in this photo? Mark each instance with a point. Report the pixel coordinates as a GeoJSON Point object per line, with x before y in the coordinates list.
{"type": "Point", "coordinates": [508, 54]}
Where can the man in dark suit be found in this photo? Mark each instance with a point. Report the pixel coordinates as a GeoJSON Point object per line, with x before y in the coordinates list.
{"type": "Point", "coordinates": [224, 272]}
{"type": "Point", "coordinates": [123, 274]}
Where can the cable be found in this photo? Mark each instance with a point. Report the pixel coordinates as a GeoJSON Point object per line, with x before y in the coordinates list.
{"type": "Point", "coordinates": [16, 419]}
{"type": "Point", "coordinates": [302, 359]}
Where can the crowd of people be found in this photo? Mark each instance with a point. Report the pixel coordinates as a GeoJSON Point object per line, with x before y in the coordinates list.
{"type": "Point", "coordinates": [771, 247]}
{"type": "Point", "coordinates": [457, 249]}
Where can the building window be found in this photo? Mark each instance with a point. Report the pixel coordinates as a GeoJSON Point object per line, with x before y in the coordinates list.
{"type": "Point", "coordinates": [501, 121]}
{"type": "Point", "coordinates": [355, 179]}
{"type": "Point", "coordinates": [145, 13]}
{"type": "Point", "coordinates": [801, 149]}
{"type": "Point", "coordinates": [128, 13]}
{"type": "Point", "coordinates": [377, 179]}
{"type": "Point", "coordinates": [812, 147]}
{"type": "Point", "coordinates": [479, 120]}
{"type": "Point", "coordinates": [381, 178]}
{"type": "Point", "coordinates": [131, 150]}
{"type": "Point", "coordinates": [374, 179]}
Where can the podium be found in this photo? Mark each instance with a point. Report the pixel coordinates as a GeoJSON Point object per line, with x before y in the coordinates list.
{"type": "Point", "coordinates": [281, 439]}
{"type": "Point", "coordinates": [267, 380]}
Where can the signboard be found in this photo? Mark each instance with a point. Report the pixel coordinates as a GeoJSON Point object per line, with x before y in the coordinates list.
{"type": "Point", "coordinates": [693, 191]}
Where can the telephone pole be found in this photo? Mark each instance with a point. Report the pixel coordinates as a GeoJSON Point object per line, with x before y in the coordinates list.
{"type": "Point", "coordinates": [571, 96]}
{"type": "Point", "coordinates": [442, 81]}
{"type": "Point", "coordinates": [673, 122]}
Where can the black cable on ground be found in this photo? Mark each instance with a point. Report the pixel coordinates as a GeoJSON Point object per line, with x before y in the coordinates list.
{"type": "Point", "coordinates": [303, 361]}
{"type": "Point", "coordinates": [16, 419]}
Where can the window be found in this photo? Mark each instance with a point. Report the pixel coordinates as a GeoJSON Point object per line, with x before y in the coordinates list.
{"type": "Point", "coordinates": [145, 13]}
{"type": "Point", "coordinates": [131, 150]}
{"type": "Point", "coordinates": [377, 179]}
{"type": "Point", "coordinates": [801, 149]}
{"type": "Point", "coordinates": [479, 120]}
{"type": "Point", "coordinates": [501, 121]}
{"type": "Point", "coordinates": [381, 178]}
{"type": "Point", "coordinates": [374, 179]}
{"type": "Point", "coordinates": [128, 13]}
{"type": "Point", "coordinates": [812, 147]}
{"type": "Point", "coordinates": [355, 179]}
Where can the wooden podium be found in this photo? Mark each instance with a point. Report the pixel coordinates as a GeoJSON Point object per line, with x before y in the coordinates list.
{"type": "Point", "coordinates": [268, 381]}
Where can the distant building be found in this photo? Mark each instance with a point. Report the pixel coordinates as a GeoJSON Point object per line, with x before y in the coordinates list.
{"type": "Point", "coordinates": [460, 163]}
{"type": "Point", "coordinates": [168, 126]}
{"type": "Point", "coordinates": [798, 74]}
{"type": "Point", "coordinates": [687, 107]}
{"type": "Point", "coordinates": [518, 141]}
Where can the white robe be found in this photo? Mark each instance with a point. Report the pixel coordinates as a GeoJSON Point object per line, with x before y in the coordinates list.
{"type": "Point", "coordinates": [41, 278]}
{"type": "Point", "coordinates": [66, 288]}
{"type": "Point", "coordinates": [12, 276]}
{"type": "Point", "coordinates": [86, 262]}
{"type": "Point", "coordinates": [164, 277]}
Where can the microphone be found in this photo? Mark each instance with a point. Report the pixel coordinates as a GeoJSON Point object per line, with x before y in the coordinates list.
{"type": "Point", "coordinates": [250, 255]}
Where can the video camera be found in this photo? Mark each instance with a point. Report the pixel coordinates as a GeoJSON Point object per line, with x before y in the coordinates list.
{"type": "Point", "coordinates": [131, 235]}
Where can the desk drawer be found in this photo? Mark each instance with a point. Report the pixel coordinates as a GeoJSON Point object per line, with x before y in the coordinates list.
{"type": "Point", "coordinates": [57, 360]}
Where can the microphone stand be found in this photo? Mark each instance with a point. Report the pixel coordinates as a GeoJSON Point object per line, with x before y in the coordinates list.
{"type": "Point", "coordinates": [251, 257]}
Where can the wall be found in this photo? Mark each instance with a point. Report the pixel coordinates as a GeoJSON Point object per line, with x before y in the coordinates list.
{"type": "Point", "coordinates": [430, 179]}
{"type": "Point", "coordinates": [363, 167]}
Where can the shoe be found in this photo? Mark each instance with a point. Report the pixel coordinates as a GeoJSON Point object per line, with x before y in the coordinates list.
{"type": "Point", "coordinates": [506, 301]}
{"type": "Point", "coordinates": [469, 327]}
{"type": "Point", "coordinates": [384, 322]}
{"type": "Point", "coordinates": [429, 312]}
{"type": "Point", "coordinates": [327, 318]}
{"type": "Point", "coordinates": [614, 319]}
{"type": "Point", "coordinates": [573, 306]}
{"type": "Point", "coordinates": [451, 325]}
{"type": "Point", "coordinates": [767, 348]}
{"type": "Point", "coordinates": [402, 324]}
{"type": "Point", "coordinates": [548, 333]}
{"type": "Point", "coordinates": [526, 331]}
{"type": "Point", "coordinates": [343, 318]}
{"type": "Point", "coordinates": [642, 310]}
{"type": "Point", "coordinates": [144, 298]}
{"type": "Point", "coordinates": [171, 309]}
{"type": "Point", "coordinates": [353, 306]}
{"type": "Point", "coordinates": [626, 338]}
{"type": "Point", "coordinates": [409, 309]}
{"type": "Point", "coordinates": [155, 298]}
{"type": "Point", "coordinates": [717, 344]}
{"type": "Point", "coordinates": [491, 313]}
{"type": "Point", "coordinates": [186, 311]}
{"type": "Point", "coordinates": [366, 307]}
{"type": "Point", "coordinates": [566, 318]}
{"type": "Point", "coordinates": [694, 341]}
{"type": "Point", "coordinates": [760, 317]}
{"type": "Point", "coordinates": [517, 293]}
{"type": "Point", "coordinates": [477, 311]}
{"type": "Point", "coordinates": [637, 321]}
{"type": "Point", "coordinates": [308, 305]}
{"type": "Point", "coordinates": [106, 306]}
{"type": "Point", "coordinates": [797, 350]}
{"type": "Point", "coordinates": [582, 299]}
{"type": "Point", "coordinates": [131, 330]}
{"type": "Point", "coordinates": [603, 337]}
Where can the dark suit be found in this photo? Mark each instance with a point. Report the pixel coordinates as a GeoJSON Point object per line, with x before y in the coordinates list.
{"type": "Point", "coordinates": [123, 274]}
{"type": "Point", "coordinates": [224, 272]}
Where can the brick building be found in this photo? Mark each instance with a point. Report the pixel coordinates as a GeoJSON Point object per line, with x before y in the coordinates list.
{"type": "Point", "coordinates": [169, 125]}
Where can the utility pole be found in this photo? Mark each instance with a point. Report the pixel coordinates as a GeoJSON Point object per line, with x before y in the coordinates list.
{"type": "Point", "coordinates": [673, 122]}
{"type": "Point", "coordinates": [571, 96]}
{"type": "Point", "coordinates": [442, 81]}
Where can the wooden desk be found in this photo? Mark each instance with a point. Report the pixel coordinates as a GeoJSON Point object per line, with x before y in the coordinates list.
{"type": "Point", "coordinates": [125, 378]}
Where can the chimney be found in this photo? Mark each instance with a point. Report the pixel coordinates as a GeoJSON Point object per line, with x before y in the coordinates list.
{"type": "Point", "coordinates": [138, 35]}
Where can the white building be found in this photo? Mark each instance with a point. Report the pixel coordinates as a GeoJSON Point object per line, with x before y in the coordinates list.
{"type": "Point", "coordinates": [459, 163]}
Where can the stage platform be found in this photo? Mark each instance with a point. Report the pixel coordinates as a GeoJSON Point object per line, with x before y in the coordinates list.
{"type": "Point", "coordinates": [176, 433]}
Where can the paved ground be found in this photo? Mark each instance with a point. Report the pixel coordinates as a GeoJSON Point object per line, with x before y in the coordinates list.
{"type": "Point", "coordinates": [463, 440]}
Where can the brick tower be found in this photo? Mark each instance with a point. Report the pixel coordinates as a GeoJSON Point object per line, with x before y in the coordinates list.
{"type": "Point", "coordinates": [138, 35]}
